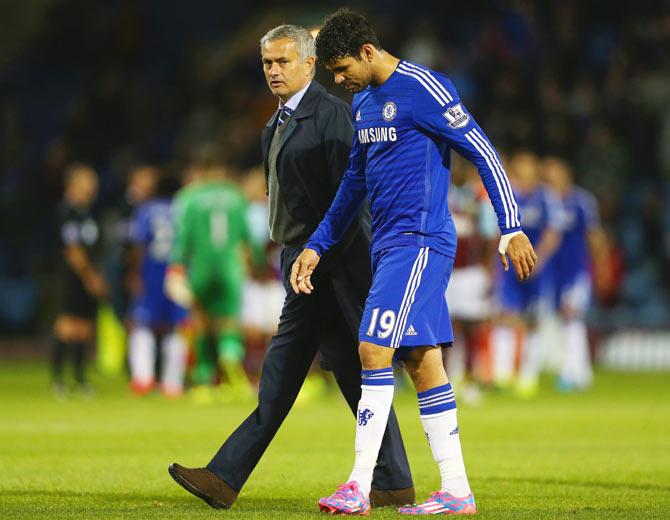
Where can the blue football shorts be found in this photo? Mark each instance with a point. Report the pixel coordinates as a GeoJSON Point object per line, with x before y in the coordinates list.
{"type": "Point", "coordinates": [406, 306]}
{"type": "Point", "coordinates": [574, 292]}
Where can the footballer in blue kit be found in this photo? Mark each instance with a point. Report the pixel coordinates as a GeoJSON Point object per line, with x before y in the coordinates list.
{"type": "Point", "coordinates": [407, 120]}
{"type": "Point", "coordinates": [153, 314]}
{"type": "Point", "coordinates": [582, 243]}
{"type": "Point", "coordinates": [522, 305]}
{"type": "Point", "coordinates": [571, 265]}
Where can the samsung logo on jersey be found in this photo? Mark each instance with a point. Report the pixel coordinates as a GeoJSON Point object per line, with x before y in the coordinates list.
{"type": "Point", "coordinates": [377, 135]}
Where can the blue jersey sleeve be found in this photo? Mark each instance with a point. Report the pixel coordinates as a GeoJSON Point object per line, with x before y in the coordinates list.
{"type": "Point", "coordinates": [438, 110]}
{"type": "Point", "coordinates": [345, 205]}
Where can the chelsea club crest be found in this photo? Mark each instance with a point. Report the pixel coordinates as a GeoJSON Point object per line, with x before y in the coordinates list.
{"type": "Point", "coordinates": [389, 111]}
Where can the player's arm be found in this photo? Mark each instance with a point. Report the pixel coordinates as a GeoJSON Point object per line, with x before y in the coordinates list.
{"type": "Point", "coordinates": [342, 211]}
{"type": "Point", "coordinates": [77, 258]}
{"type": "Point", "coordinates": [438, 110]}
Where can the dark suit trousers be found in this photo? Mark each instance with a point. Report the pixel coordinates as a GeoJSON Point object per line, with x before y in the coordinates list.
{"type": "Point", "coordinates": [327, 320]}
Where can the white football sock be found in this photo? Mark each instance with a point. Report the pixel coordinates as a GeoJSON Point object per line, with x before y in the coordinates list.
{"type": "Point", "coordinates": [438, 416]}
{"type": "Point", "coordinates": [174, 362]}
{"type": "Point", "coordinates": [142, 355]}
{"type": "Point", "coordinates": [373, 414]}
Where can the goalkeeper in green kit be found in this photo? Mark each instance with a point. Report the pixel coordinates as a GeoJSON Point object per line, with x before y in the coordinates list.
{"type": "Point", "coordinates": [207, 273]}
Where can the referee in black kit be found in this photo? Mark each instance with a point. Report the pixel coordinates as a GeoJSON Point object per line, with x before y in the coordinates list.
{"type": "Point", "coordinates": [306, 148]}
{"type": "Point", "coordinates": [84, 286]}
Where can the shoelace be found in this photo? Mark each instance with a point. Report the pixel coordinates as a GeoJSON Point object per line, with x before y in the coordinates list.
{"type": "Point", "coordinates": [435, 495]}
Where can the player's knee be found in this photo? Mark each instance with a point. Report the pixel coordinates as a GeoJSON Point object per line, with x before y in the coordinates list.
{"type": "Point", "coordinates": [374, 357]}
{"type": "Point", "coordinates": [425, 368]}
{"type": "Point", "coordinates": [418, 371]}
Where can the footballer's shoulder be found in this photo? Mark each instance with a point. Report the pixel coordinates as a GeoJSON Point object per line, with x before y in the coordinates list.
{"type": "Point", "coordinates": [420, 76]}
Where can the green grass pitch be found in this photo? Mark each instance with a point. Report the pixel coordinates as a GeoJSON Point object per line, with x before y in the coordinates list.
{"type": "Point", "coordinates": [603, 454]}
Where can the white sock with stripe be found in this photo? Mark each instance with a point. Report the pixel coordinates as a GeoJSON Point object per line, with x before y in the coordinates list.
{"type": "Point", "coordinates": [373, 414]}
{"type": "Point", "coordinates": [437, 407]}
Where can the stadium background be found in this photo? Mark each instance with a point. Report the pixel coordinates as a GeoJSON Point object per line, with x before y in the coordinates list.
{"type": "Point", "coordinates": [114, 83]}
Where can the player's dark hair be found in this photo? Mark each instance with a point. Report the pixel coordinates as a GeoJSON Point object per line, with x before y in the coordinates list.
{"type": "Point", "coordinates": [343, 34]}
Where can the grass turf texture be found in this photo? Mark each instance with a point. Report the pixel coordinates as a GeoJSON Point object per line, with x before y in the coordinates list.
{"type": "Point", "coordinates": [603, 454]}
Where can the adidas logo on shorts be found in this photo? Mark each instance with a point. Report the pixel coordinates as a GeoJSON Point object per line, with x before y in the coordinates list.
{"type": "Point", "coordinates": [410, 331]}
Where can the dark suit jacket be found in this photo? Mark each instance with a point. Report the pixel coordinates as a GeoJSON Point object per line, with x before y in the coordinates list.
{"type": "Point", "coordinates": [313, 155]}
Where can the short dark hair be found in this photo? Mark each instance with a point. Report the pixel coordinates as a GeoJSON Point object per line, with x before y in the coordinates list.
{"type": "Point", "coordinates": [343, 34]}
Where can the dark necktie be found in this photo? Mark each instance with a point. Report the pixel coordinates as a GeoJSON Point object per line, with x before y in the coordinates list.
{"type": "Point", "coordinates": [284, 114]}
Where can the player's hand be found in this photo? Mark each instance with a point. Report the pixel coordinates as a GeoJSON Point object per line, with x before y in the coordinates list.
{"type": "Point", "coordinates": [176, 286]}
{"type": "Point", "coordinates": [521, 254]}
{"type": "Point", "coordinates": [302, 270]}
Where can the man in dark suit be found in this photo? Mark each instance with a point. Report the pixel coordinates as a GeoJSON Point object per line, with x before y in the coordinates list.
{"type": "Point", "coordinates": [306, 147]}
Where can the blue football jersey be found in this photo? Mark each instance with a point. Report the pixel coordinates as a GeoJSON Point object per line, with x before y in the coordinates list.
{"type": "Point", "coordinates": [152, 229]}
{"type": "Point", "coordinates": [579, 216]}
{"type": "Point", "coordinates": [405, 130]}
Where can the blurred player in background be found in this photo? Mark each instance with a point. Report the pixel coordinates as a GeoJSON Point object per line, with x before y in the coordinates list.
{"type": "Point", "coordinates": [153, 315]}
{"type": "Point", "coordinates": [208, 269]}
{"type": "Point", "coordinates": [469, 290]}
{"type": "Point", "coordinates": [84, 286]}
{"type": "Point", "coordinates": [520, 305]}
{"type": "Point", "coordinates": [583, 244]}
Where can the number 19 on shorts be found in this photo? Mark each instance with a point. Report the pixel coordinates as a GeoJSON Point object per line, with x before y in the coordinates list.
{"type": "Point", "coordinates": [386, 323]}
